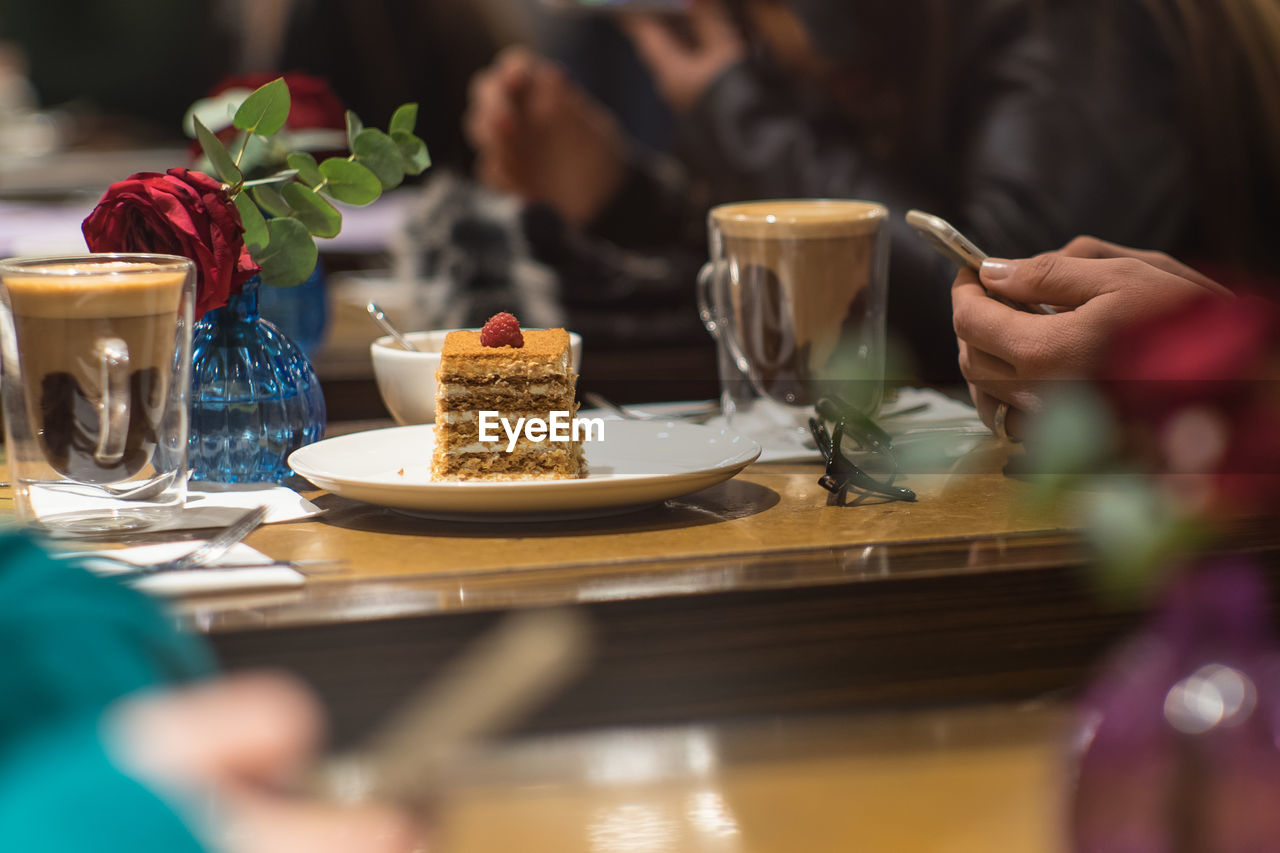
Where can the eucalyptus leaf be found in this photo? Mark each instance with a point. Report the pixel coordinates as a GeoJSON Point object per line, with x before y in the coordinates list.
{"type": "Point", "coordinates": [313, 210]}
{"type": "Point", "coordinates": [218, 155]}
{"type": "Point", "coordinates": [413, 151]}
{"type": "Point", "coordinates": [354, 126]}
{"type": "Point", "coordinates": [289, 257]}
{"type": "Point", "coordinates": [307, 167]}
{"type": "Point", "coordinates": [404, 119]}
{"type": "Point", "coordinates": [379, 154]}
{"type": "Point", "coordinates": [350, 182]}
{"type": "Point", "coordinates": [266, 110]}
{"type": "Point", "coordinates": [270, 200]}
{"type": "Point", "coordinates": [255, 226]}
{"type": "Point", "coordinates": [1074, 433]}
{"type": "Point", "coordinates": [1137, 533]}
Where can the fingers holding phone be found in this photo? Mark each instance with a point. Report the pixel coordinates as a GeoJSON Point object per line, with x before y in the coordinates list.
{"type": "Point", "coordinates": [1023, 323]}
{"type": "Point", "coordinates": [1092, 247]}
{"type": "Point", "coordinates": [1012, 357]}
{"type": "Point", "coordinates": [1006, 338]}
{"type": "Point", "coordinates": [999, 353]}
{"type": "Point", "coordinates": [988, 408]}
{"type": "Point", "coordinates": [1010, 354]}
{"type": "Point", "coordinates": [1085, 269]}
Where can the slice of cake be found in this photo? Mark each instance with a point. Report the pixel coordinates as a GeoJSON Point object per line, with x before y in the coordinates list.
{"type": "Point", "coordinates": [493, 390]}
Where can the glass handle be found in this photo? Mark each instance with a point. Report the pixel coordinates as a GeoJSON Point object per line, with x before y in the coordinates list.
{"type": "Point", "coordinates": [706, 309]}
{"type": "Point", "coordinates": [113, 410]}
{"type": "Point", "coordinates": [716, 321]}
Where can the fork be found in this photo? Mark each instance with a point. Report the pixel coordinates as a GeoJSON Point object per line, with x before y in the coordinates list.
{"type": "Point", "coordinates": [207, 553]}
{"type": "Point", "coordinates": [697, 414]}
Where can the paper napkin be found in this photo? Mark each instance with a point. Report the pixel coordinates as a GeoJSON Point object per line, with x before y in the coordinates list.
{"type": "Point", "coordinates": [239, 570]}
{"type": "Point", "coordinates": [217, 504]}
{"type": "Point", "coordinates": [926, 413]}
{"type": "Point", "coordinates": [208, 505]}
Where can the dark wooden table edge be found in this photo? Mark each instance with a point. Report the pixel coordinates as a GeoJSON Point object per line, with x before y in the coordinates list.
{"type": "Point", "coordinates": [1003, 618]}
{"type": "Point", "coordinates": [377, 598]}
{"type": "Point", "coordinates": [371, 599]}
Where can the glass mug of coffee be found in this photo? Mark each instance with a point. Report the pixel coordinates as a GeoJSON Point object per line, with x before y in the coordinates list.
{"type": "Point", "coordinates": [96, 387]}
{"type": "Point", "coordinates": [795, 295]}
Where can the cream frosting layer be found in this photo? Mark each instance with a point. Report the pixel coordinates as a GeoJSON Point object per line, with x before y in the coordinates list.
{"type": "Point", "coordinates": [522, 446]}
{"type": "Point", "coordinates": [454, 391]}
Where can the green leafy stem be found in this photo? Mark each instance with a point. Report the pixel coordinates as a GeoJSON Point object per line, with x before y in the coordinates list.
{"type": "Point", "coordinates": [283, 213]}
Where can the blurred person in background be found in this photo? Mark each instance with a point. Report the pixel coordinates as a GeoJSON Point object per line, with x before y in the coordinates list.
{"type": "Point", "coordinates": [379, 54]}
{"type": "Point", "coordinates": [107, 60]}
{"type": "Point", "coordinates": [1231, 56]}
{"type": "Point", "coordinates": [113, 736]}
{"type": "Point", "coordinates": [1024, 122]}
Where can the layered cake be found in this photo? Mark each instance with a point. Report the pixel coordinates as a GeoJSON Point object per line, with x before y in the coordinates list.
{"type": "Point", "coordinates": [493, 389]}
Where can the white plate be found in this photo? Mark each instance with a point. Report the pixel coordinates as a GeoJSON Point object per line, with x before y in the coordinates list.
{"type": "Point", "coordinates": [638, 463]}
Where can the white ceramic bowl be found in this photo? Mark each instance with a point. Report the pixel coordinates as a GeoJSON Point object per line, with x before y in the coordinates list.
{"type": "Point", "coordinates": [407, 380]}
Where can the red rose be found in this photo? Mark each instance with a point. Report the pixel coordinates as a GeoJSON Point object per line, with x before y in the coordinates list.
{"type": "Point", "coordinates": [313, 104]}
{"type": "Point", "coordinates": [178, 213]}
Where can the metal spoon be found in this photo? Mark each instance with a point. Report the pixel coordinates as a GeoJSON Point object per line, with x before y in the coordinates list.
{"type": "Point", "coordinates": [137, 492]}
{"type": "Point", "coordinates": [381, 319]}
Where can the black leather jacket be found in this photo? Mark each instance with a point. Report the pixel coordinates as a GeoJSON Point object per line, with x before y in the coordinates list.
{"type": "Point", "coordinates": [1050, 124]}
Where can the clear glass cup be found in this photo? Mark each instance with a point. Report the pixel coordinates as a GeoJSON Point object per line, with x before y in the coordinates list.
{"type": "Point", "coordinates": [96, 387]}
{"type": "Point", "coordinates": [794, 294]}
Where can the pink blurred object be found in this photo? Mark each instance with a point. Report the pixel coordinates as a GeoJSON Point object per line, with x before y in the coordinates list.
{"type": "Point", "coordinates": [1179, 745]}
{"type": "Point", "coordinates": [1198, 393]}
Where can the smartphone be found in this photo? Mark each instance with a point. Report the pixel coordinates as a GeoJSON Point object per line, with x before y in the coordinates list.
{"type": "Point", "coordinates": [656, 6]}
{"type": "Point", "coordinates": [960, 250]}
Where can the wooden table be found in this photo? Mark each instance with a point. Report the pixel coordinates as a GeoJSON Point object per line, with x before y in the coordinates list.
{"type": "Point", "coordinates": [749, 598]}
{"type": "Point", "coordinates": [972, 780]}
{"type": "Point", "coordinates": [770, 673]}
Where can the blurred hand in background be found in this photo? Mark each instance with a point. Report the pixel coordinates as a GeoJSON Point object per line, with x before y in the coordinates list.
{"type": "Point", "coordinates": [239, 744]}
{"type": "Point", "coordinates": [685, 62]}
{"type": "Point", "coordinates": [542, 138]}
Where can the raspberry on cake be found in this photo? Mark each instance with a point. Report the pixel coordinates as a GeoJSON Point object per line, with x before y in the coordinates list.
{"type": "Point", "coordinates": [502, 330]}
{"type": "Point", "coordinates": [518, 375]}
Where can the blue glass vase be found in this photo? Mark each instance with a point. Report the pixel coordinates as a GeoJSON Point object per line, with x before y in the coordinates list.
{"type": "Point", "coordinates": [254, 397]}
{"type": "Point", "coordinates": [300, 312]}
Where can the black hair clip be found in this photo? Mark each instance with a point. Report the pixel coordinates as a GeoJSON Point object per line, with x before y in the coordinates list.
{"type": "Point", "coordinates": [842, 473]}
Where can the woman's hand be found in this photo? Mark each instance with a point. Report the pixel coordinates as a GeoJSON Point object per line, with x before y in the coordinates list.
{"type": "Point", "coordinates": [684, 70]}
{"type": "Point", "coordinates": [539, 136]}
{"type": "Point", "coordinates": [1008, 356]}
{"type": "Point", "coordinates": [239, 743]}
{"type": "Point", "coordinates": [1092, 247]}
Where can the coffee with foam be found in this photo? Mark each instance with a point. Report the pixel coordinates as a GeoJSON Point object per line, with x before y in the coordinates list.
{"type": "Point", "coordinates": [799, 281]}
{"type": "Point", "coordinates": [61, 313]}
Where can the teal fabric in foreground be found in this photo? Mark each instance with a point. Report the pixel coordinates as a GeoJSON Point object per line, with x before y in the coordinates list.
{"type": "Point", "coordinates": [60, 793]}
{"type": "Point", "coordinates": [73, 643]}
